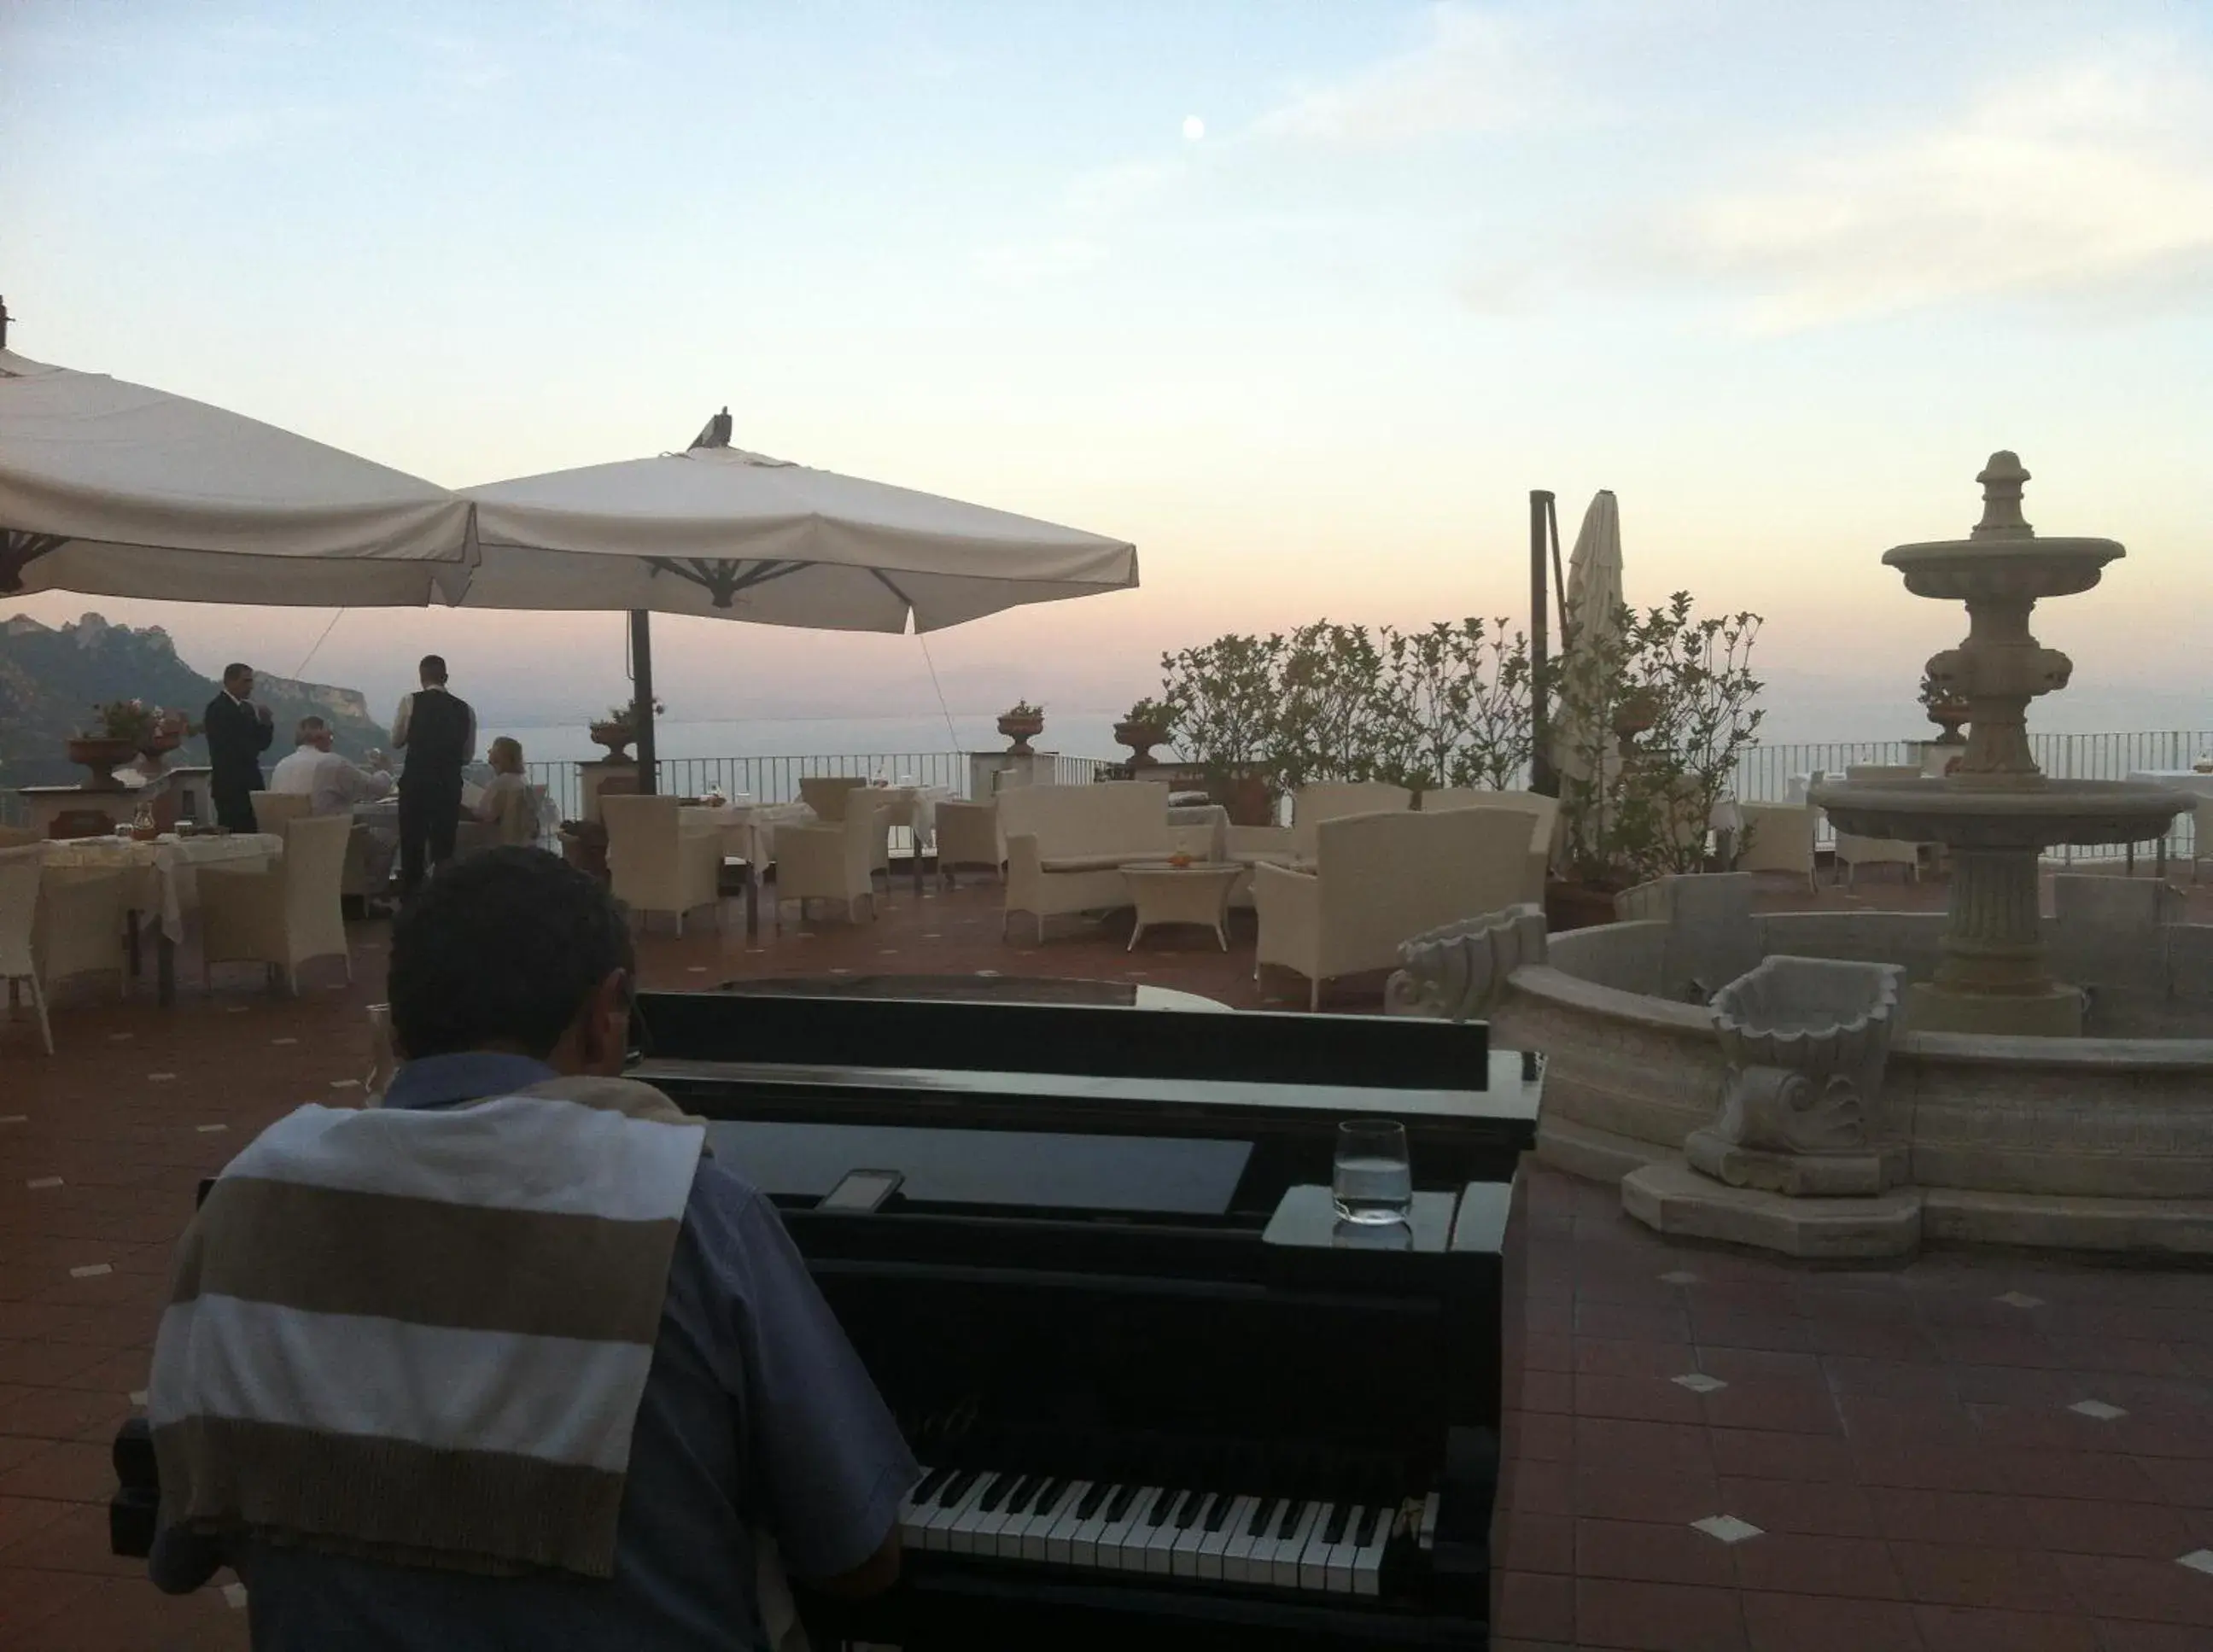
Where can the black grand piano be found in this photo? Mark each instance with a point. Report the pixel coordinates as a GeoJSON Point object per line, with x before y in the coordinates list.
{"type": "Point", "coordinates": [1159, 1391]}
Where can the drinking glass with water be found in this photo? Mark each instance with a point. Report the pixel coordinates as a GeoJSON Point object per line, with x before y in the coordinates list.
{"type": "Point", "coordinates": [1373, 1181]}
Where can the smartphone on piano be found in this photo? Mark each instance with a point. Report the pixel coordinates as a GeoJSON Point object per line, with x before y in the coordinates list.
{"type": "Point", "coordinates": [862, 1190]}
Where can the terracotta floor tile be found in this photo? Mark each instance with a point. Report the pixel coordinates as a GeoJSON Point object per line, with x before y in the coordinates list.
{"type": "Point", "coordinates": [1545, 1438]}
{"type": "Point", "coordinates": [1759, 1453]}
{"type": "Point", "coordinates": [28, 1599]}
{"type": "Point", "coordinates": [76, 1540]}
{"type": "Point", "coordinates": [1624, 1357]}
{"type": "Point", "coordinates": [23, 1517]}
{"type": "Point", "coordinates": [1885, 1420]}
{"type": "Point", "coordinates": [1914, 1515]}
{"type": "Point", "coordinates": [1804, 1623]}
{"type": "Point", "coordinates": [73, 1473]}
{"type": "Point", "coordinates": [1535, 1606]}
{"type": "Point", "coordinates": [1539, 1543]}
{"type": "Point", "coordinates": [1758, 1365]}
{"type": "Point", "coordinates": [1792, 1563]}
{"type": "Point", "coordinates": [1895, 1379]}
{"type": "Point", "coordinates": [2115, 1635]}
{"type": "Point", "coordinates": [38, 1364]}
{"type": "Point", "coordinates": [2108, 1478]}
{"type": "Point", "coordinates": [1667, 1498]}
{"type": "Point", "coordinates": [1654, 1447]}
{"type": "Point", "coordinates": [60, 1413]}
{"type": "Point", "coordinates": [1944, 1574]}
{"type": "Point", "coordinates": [2180, 1479]}
{"type": "Point", "coordinates": [1784, 1407]}
{"type": "Point", "coordinates": [1649, 1552]}
{"type": "Point", "coordinates": [1835, 1509]}
{"type": "Point", "coordinates": [2157, 1591]}
{"type": "Point", "coordinates": [1979, 1629]}
{"type": "Point", "coordinates": [1657, 1617]}
{"type": "Point", "coordinates": [2073, 1526]}
{"type": "Point", "coordinates": [1651, 1400]}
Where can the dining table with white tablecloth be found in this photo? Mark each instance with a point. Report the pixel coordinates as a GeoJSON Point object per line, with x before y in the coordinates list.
{"type": "Point", "coordinates": [160, 885]}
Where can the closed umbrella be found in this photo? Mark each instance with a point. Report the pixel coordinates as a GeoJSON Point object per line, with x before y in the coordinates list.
{"type": "Point", "coordinates": [116, 490]}
{"type": "Point", "coordinates": [720, 532]}
{"type": "Point", "coordinates": [1590, 623]}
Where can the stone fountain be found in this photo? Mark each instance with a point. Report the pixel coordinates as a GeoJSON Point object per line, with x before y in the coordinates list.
{"type": "Point", "coordinates": [1995, 811]}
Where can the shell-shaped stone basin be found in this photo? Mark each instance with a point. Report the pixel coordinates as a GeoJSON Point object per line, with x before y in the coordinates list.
{"type": "Point", "coordinates": [2030, 811]}
{"type": "Point", "coordinates": [1815, 1015]}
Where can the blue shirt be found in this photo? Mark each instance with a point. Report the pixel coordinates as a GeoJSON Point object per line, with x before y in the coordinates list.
{"type": "Point", "coordinates": [756, 1414]}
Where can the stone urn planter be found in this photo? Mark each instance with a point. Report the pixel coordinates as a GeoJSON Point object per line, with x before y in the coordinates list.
{"type": "Point", "coordinates": [615, 737]}
{"type": "Point", "coordinates": [1139, 737]}
{"type": "Point", "coordinates": [103, 756]}
{"type": "Point", "coordinates": [1949, 715]}
{"type": "Point", "coordinates": [1021, 728]}
{"type": "Point", "coordinates": [157, 747]}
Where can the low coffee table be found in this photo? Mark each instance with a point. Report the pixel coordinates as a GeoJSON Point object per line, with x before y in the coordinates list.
{"type": "Point", "coordinates": [1198, 894]}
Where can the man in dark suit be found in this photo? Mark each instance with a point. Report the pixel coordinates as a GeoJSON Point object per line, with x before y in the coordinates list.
{"type": "Point", "coordinates": [238, 732]}
{"type": "Point", "coordinates": [439, 735]}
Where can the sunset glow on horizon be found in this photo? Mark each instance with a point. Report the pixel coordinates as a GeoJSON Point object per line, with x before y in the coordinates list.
{"type": "Point", "coordinates": [1303, 301]}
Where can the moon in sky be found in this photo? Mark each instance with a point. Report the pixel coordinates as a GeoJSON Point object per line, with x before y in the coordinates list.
{"type": "Point", "coordinates": [1193, 128]}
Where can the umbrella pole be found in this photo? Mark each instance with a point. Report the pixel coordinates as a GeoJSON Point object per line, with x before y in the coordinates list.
{"type": "Point", "coordinates": [1544, 779]}
{"type": "Point", "coordinates": [641, 672]}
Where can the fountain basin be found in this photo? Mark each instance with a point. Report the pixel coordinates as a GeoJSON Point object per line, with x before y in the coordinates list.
{"type": "Point", "coordinates": [2034, 813]}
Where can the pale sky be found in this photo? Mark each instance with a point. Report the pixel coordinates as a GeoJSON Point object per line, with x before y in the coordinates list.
{"type": "Point", "coordinates": [1302, 298]}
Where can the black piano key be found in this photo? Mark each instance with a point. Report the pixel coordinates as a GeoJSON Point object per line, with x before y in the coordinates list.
{"type": "Point", "coordinates": [989, 1502]}
{"type": "Point", "coordinates": [1333, 1532]}
{"type": "Point", "coordinates": [1041, 1497]}
{"type": "Point", "coordinates": [933, 1483]}
{"type": "Point", "coordinates": [1218, 1516]}
{"type": "Point", "coordinates": [957, 1487]}
{"type": "Point", "coordinates": [1163, 1507]}
{"type": "Point", "coordinates": [1188, 1516]}
{"type": "Point", "coordinates": [1092, 1499]}
{"type": "Point", "coordinates": [1118, 1504]}
{"type": "Point", "coordinates": [1266, 1514]}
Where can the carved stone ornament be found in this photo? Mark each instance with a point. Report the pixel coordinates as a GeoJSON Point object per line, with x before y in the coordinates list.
{"type": "Point", "coordinates": [1458, 973]}
{"type": "Point", "coordinates": [1805, 1041]}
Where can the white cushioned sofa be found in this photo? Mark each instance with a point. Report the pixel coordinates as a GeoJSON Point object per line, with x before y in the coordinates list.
{"type": "Point", "coordinates": [1066, 844]}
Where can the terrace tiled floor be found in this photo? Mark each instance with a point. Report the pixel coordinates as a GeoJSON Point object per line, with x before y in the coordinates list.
{"type": "Point", "coordinates": [1902, 1438]}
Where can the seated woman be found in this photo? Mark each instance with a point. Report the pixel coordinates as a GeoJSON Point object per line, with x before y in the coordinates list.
{"type": "Point", "coordinates": [508, 804]}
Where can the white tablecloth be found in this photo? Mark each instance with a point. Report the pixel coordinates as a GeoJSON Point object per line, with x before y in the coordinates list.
{"type": "Point", "coordinates": [161, 873]}
{"type": "Point", "coordinates": [1201, 829]}
{"type": "Point", "coordinates": [748, 829]}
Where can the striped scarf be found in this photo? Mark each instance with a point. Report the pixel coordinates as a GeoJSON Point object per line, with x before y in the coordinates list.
{"type": "Point", "coordinates": [422, 1337]}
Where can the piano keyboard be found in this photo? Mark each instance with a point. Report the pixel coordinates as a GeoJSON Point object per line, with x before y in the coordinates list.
{"type": "Point", "coordinates": [1289, 1543]}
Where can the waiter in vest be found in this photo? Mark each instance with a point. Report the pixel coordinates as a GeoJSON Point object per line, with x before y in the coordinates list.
{"type": "Point", "coordinates": [238, 732]}
{"type": "Point", "coordinates": [439, 735]}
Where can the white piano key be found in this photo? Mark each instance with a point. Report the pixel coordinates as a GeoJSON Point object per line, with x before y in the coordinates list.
{"type": "Point", "coordinates": [1216, 1547]}
{"type": "Point", "coordinates": [1338, 1562]}
{"type": "Point", "coordinates": [1367, 1564]}
{"type": "Point", "coordinates": [1046, 1540]}
{"type": "Point", "coordinates": [1083, 1542]}
{"type": "Point", "coordinates": [1283, 1562]}
{"type": "Point", "coordinates": [983, 1530]}
{"type": "Point", "coordinates": [940, 1516]}
{"type": "Point", "coordinates": [959, 1532]}
{"type": "Point", "coordinates": [1246, 1560]}
{"type": "Point", "coordinates": [910, 1527]}
{"type": "Point", "coordinates": [1114, 1552]}
{"type": "Point", "coordinates": [1014, 1536]}
{"type": "Point", "coordinates": [1314, 1558]}
{"type": "Point", "coordinates": [1184, 1561]}
{"type": "Point", "coordinates": [1159, 1546]}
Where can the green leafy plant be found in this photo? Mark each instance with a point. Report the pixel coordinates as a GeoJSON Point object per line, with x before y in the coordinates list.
{"type": "Point", "coordinates": [1022, 710]}
{"type": "Point", "coordinates": [1150, 713]}
{"type": "Point", "coordinates": [623, 717]}
{"type": "Point", "coordinates": [1652, 720]}
{"type": "Point", "coordinates": [139, 723]}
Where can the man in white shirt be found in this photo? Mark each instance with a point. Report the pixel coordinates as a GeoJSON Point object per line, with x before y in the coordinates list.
{"type": "Point", "coordinates": [313, 771]}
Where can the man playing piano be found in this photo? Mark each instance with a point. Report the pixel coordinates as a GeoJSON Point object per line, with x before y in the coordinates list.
{"type": "Point", "coordinates": [510, 1362]}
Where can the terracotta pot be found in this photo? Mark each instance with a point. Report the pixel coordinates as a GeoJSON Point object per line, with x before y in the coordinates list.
{"type": "Point", "coordinates": [103, 757]}
{"type": "Point", "coordinates": [1021, 730]}
{"type": "Point", "coordinates": [1634, 713]}
{"type": "Point", "coordinates": [1140, 738]}
{"type": "Point", "coordinates": [154, 748]}
{"type": "Point", "coordinates": [615, 737]}
{"type": "Point", "coordinates": [1569, 905]}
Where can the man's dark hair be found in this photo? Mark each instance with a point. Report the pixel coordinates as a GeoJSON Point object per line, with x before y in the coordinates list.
{"type": "Point", "coordinates": [235, 670]}
{"type": "Point", "coordinates": [501, 949]}
{"type": "Point", "coordinates": [433, 668]}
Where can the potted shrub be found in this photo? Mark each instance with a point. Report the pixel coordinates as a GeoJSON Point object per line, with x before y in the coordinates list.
{"type": "Point", "coordinates": [167, 731]}
{"type": "Point", "coordinates": [119, 729]}
{"type": "Point", "coordinates": [619, 728]}
{"type": "Point", "coordinates": [1145, 725]}
{"type": "Point", "coordinates": [1021, 723]}
{"type": "Point", "coordinates": [1683, 689]}
{"type": "Point", "coordinates": [1946, 709]}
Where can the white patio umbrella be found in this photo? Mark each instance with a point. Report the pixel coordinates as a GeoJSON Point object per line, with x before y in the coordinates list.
{"type": "Point", "coordinates": [116, 490]}
{"type": "Point", "coordinates": [719, 532]}
{"type": "Point", "coordinates": [1591, 620]}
